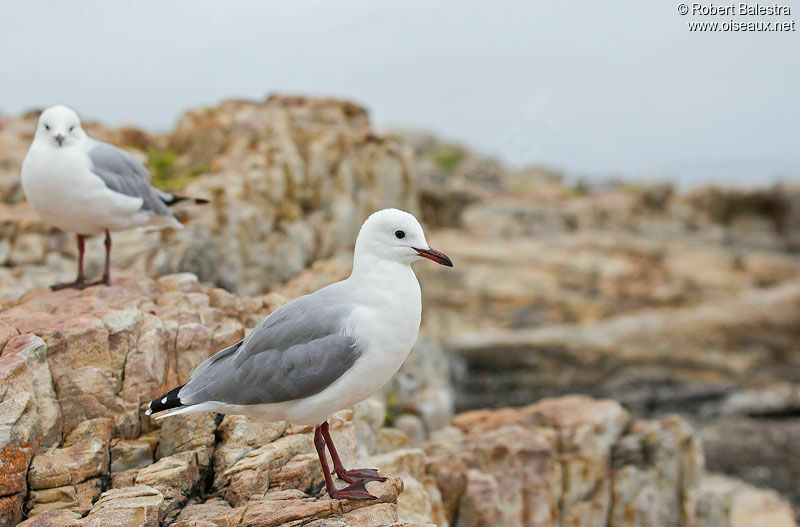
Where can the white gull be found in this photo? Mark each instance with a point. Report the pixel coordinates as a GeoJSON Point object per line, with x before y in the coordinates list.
{"type": "Point", "coordinates": [325, 351]}
{"type": "Point", "coordinates": [85, 186]}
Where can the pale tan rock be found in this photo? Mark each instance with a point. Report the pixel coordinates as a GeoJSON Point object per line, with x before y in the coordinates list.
{"type": "Point", "coordinates": [28, 248]}
{"type": "Point", "coordinates": [227, 302]}
{"type": "Point", "coordinates": [29, 412]}
{"type": "Point", "coordinates": [239, 435]}
{"type": "Point", "coordinates": [301, 472]}
{"type": "Point", "coordinates": [410, 461]}
{"type": "Point", "coordinates": [413, 428]}
{"type": "Point", "coordinates": [289, 506]}
{"type": "Point", "coordinates": [194, 344]}
{"type": "Point", "coordinates": [345, 437]}
{"type": "Point", "coordinates": [84, 456]}
{"type": "Point", "coordinates": [7, 332]}
{"type": "Point", "coordinates": [127, 454]}
{"type": "Point", "coordinates": [438, 513]}
{"type": "Point", "coordinates": [136, 506]}
{"type": "Point", "coordinates": [388, 439]}
{"type": "Point", "coordinates": [175, 477]}
{"type": "Point", "coordinates": [422, 389]}
{"type": "Point", "coordinates": [592, 510]}
{"type": "Point", "coordinates": [251, 474]}
{"type": "Point", "coordinates": [204, 511]}
{"type": "Point", "coordinates": [146, 365]}
{"type": "Point", "coordinates": [123, 327]}
{"type": "Point", "coordinates": [226, 332]}
{"type": "Point", "coordinates": [526, 464]}
{"type": "Point", "coordinates": [179, 471]}
{"type": "Point", "coordinates": [126, 478]}
{"type": "Point", "coordinates": [730, 502]}
{"type": "Point", "coordinates": [194, 523]}
{"type": "Point", "coordinates": [368, 415]}
{"type": "Point", "coordinates": [447, 463]}
{"type": "Point", "coordinates": [76, 498]}
{"type": "Point", "coordinates": [55, 518]}
{"type": "Point", "coordinates": [587, 429]}
{"type": "Point", "coordinates": [82, 368]}
{"type": "Point", "coordinates": [380, 514]}
{"type": "Point", "coordinates": [656, 475]}
{"type": "Point", "coordinates": [182, 282]}
{"type": "Point", "coordinates": [480, 504]}
{"type": "Point", "coordinates": [188, 433]}
{"type": "Point", "coordinates": [414, 504]}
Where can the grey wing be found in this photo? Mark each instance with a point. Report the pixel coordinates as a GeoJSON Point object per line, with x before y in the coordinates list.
{"type": "Point", "coordinates": [295, 352]}
{"type": "Point", "coordinates": [122, 173]}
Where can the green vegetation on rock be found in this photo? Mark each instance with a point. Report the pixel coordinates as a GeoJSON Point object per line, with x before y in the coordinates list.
{"type": "Point", "coordinates": [165, 174]}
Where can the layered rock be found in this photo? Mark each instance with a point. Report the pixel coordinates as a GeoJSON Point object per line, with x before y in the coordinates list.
{"type": "Point", "coordinates": [78, 369]}
{"type": "Point", "coordinates": [79, 451]}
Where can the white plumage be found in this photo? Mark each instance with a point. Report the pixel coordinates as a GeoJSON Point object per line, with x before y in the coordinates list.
{"type": "Point", "coordinates": [324, 351]}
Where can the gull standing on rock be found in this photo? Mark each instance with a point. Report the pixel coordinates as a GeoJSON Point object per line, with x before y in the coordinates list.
{"type": "Point", "coordinates": [324, 351]}
{"type": "Point", "coordinates": [85, 186]}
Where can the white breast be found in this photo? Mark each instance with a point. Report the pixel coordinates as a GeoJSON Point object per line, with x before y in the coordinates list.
{"type": "Point", "coordinates": [387, 325]}
{"type": "Point", "coordinates": [62, 190]}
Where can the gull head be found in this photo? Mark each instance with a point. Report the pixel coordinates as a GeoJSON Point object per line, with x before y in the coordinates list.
{"type": "Point", "coordinates": [59, 126]}
{"type": "Point", "coordinates": [395, 235]}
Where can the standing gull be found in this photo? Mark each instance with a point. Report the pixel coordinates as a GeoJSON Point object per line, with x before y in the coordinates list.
{"type": "Point", "coordinates": [324, 351]}
{"type": "Point", "coordinates": [88, 187]}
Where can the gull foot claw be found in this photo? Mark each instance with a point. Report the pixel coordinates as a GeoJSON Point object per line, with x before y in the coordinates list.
{"type": "Point", "coordinates": [360, 474]}
{"type": "Point", "coordinates": [77, 284]}
{"type": "Point", "coordinates": [355, 491]}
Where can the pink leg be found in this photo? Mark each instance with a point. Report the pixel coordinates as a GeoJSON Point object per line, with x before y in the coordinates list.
{"type": "Point", "coordinates": [80, 281]}
{"type": "Point", "coordinates": [106, 280]}
{"type": "Point", "coordinates": [350, 476]}
{"type": "Point", "coordinates": [107, 272]}
{"type": "Point", "coordinates": [355, 491]}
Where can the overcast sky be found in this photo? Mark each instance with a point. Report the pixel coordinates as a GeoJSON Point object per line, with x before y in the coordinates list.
{"type": "Point", "coordinates": [593, 88]}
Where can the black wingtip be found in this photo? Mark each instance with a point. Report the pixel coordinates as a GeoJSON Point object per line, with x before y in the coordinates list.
{"type": "Point", "coordinates": [167, 401]}
{"type": "Point", "coordinates": [174, 198]}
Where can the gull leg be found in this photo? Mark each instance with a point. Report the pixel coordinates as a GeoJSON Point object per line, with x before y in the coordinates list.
{"type": "Point", "coordinates": [80, 281]}
{"type": "Point", "coordinates": [355, 491]}
{"type": "Point", "coordinates": [107, 272]}
{"type": "Point", "coordinates": [350, 476]}
{"type": "Point", "coordinates": [106, 280]}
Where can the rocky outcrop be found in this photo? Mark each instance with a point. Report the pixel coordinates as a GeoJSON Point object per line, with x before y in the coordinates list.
{"type": "Point", "coordinates": [660, 359]}
{"type": "Point", "coordinates": [78, 368]}
{"type": "Point", "coordinates": [79, 451]}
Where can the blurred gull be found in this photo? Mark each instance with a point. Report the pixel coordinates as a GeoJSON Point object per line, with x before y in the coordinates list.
{"type": "Point", "coordinates": [324, 351]}
{"type": "Point", "coordinates": [88, 187]}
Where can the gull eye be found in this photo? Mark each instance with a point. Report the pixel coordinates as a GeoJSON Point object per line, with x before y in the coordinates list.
{"type": "Point", "coordinates": [47, 127]}
{"type": "Point", "coordinates": [71, 128]}
{"type": "Point", "coordinates": [399, 234]}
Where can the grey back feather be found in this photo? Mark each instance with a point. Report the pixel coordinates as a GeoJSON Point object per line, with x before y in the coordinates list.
{"type": "Point", "coordinates": [297, 351]}
{"type": "Point", "coordinates": [122, 173]}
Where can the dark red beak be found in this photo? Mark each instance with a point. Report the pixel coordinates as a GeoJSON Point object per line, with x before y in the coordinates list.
{"type": "Point", "coordinates": [60, 139]}
{"type": "Point", "coordinates": [437, 256]}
